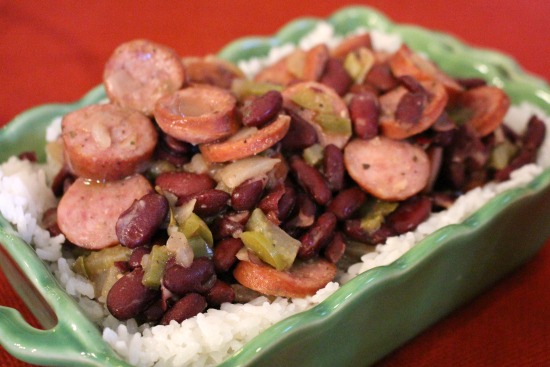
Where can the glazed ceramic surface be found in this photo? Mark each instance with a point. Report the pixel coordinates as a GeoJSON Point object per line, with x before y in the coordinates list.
{"type": "Point", "coordinates": [366, 318]}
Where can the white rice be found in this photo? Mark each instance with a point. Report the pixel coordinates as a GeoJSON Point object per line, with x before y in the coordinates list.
{"type": "Point", "coordinates": [210, 338]}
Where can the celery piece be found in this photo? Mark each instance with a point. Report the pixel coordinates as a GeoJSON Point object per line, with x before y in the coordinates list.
{"type": "Point", "coordinates": [321, 103]}
{"type": "Point", "coordinates": [244, 87]}
{"type": "Point", "coordinates": [359, 63]}
{"type": "Point", "coordinates": [195, 226]}
{"type": "Point", "coordinates": [154, 269]}
{"type": "Point", "coordinates": [200, 247]}
{"type": "Point", "coordinates": [263, 247]}
{"type": "Point", "coordinates": [99, 261]}
{"type": "Point", "coordinates": [313, 100]}
{"type": "Point", "coordinates": [502, 154]}
{"type": "Point", "coordinates": [79, 267]}
{"type": "Point", "coordinates": [374, 218]}
{"type": "Point", "coordinates": [313, 155]}
{"type": "Point", "coordinates": [333, 124]}
{"type": "Point", "coordinates": [282, 249]}
{"type": "Point", "coordinates": [104, 282]}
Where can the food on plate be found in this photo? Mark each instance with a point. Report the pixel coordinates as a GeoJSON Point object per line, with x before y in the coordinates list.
{"type": "Point", "coordinates": [375, 155]}
{"type": "Point", "coordinates": [206, 187]}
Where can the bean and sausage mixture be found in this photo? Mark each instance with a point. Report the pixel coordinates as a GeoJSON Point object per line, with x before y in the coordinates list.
{"type": "Point", "coordinates": [194, 185]}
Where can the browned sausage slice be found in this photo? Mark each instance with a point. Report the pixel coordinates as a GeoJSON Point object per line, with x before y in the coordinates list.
{"type": "Point", "coordinates": [198, 114]}
{"type": "Point", "coordinates": [88, 212]}
{"type": "Point", "coordinates": [352, 43]}
{"type": "Point", "coordinates": [107, 142]}
{"type": "Point", "coordinates": [139, 72]}
{"type": "Point", "coordinates": [211, 70]}
{"type": "Point", "coordinates": [322, 108]}
{"type": "Point", "coordinates": [238, 147]}
{"type": "Point", "coordinates": [301, 280]}
{"type": "Point", "coordinates": [388, 169]}
{"type": "Point", "coordinates": [487, 106]}
{"type": "Point", "coordinates": [393, 127]}
{"type": "Point", "coordinates": [406, 62]}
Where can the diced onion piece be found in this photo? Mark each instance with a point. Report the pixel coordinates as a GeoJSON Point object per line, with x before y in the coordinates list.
{"type": "Point", "coordinates": [178, 245]}
{"type": "Point", "coordinates": [269, 242]}
{"type": "Point", "coordinates": [238, 172]}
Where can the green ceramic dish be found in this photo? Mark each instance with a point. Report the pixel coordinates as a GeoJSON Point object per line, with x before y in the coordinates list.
{"type": "Point", "coordinates": [368, 317]}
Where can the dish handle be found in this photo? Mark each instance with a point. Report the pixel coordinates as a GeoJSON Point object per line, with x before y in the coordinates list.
{"type": "Point", "coordinates": [69, 338]}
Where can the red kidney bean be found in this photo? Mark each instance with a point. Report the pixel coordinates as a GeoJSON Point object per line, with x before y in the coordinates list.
{"type": "Point", "coordinates": [246, 195]}
{"type": "Point", "coordinates": [353, 229]}
{"type": "Point", "coordinates": [300, 135]}
{"type": "Point", "coordinates": [381, 77]}
{"type": "Point", "coordinates": [49, 221]}
{"type": "Point", "coordinates": [225, 254]}
{"type": "Point", "coordinates": [510, 134]}
{"type": "Point", "coordinates": [62, 180]}
{"type": "Point", "coordinates": [311, 180]}
{"type": "Point", "coordinates": [333, 167]}
{"type": "Point", "coordinates": [409, 214]}
{"type": "Point", "coordinates": [199, 277]}
{"type": "Point", "coordinates": [364, 112]}
{"type": "Point", "coordinates": [435, 153]}
{"type": "Point", "coordinates": [412, 85]}
{"type": "Point", "coordinates": [317, 236]}
{"type": "Point", "coordinates": [305, 213]}
{"type": "Point", "coordinates": [228, 223]}
{"type": "Point", "coordinates": [163, 153]}
{"type": "Point", "coordinates": [347, 202]}
{"type": "Point", "coordinates": [137, 225]}
{"type": "Point", "coordinates": [167, 298]}
{"type": "Point", "coordinates": [188, 306]}
{"type": "Point", "coordinates": [128, 297]}
{"type": "Point", "coordinates": [28, 156]}
{"type": "Point", "coordinates": [123, 266]}
{"type": "Point", "coordinates": [336, 76]}
{"type": "Point", "coordinates": [137, 255]}
{"type": "Point", "coordinates": [262, 109]}
{"type": "Point", "coordinates": [335, 249]}
{"type": "Point", "coordinates": [470, 83]}
{"type": "Point", "coordinates": [286, 203]}
{"type": "Point", "coordinates": [534, 134]}
{"type": "Point", "coordinates": [220, 293]}
{"type": "Point", "coordinates": [177, 146]}
{"type": "Point", "coordinates": [224, 226]}
{"type": "Point", "coordinates": [210, 202]}
{"type": "Point", "coordinates": [154, 312]}
{"type": "Point", "coordinates": [184, 184]}
{"type": "Point", "coordinates": [278, 203]}
{"type": "Point", "coordinates": [443, 123]}
{"type": "Point", "coordinates": [466, 153]}
{"type": "Point", "coordinates": [410, 107]}
{"type": "Point", "coordinates": [524, 157]}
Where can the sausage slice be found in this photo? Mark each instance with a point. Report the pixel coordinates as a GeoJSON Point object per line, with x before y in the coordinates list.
{"type": "Point", "coordinates": [139, 72]}
{"type": "Point", "coordinates": [395, 127]}
{"type": "Point", "coordinates": [301, 280]}
{"type": "Point", "coordinates": [88, 212]}
{"type": "Point", "coordinates": [245, 145]}
{"type": "Point", "coordinates": [387, 169]}
{"type": "Point", "coordinates": [198, 114]}
{"type": "Point", "coordinates": [107, 142]}
{"type": "Point", "coordinates": [487, 106]}
{"type": "Point", "coordinates": [322, 108]}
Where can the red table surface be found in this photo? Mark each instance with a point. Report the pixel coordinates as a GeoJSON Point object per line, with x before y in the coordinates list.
{"type": "Point", "coordinates": [54, 52]}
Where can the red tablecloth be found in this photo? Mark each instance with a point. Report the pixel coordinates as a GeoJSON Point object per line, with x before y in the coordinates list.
{"type": "Point", "coordinates": [55, 51]}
